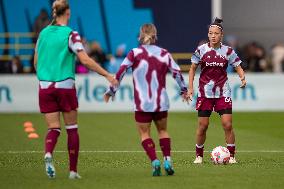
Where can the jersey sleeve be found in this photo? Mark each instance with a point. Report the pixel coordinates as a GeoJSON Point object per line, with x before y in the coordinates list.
{"type": "Point", "coordinates": [125, 65]}
{"type": "Point", "coordinates": [234, 60]}
{"type": "Point", "coordinates": [195, 58]}
{"type": "Point", "coordinates": [176, 74]}
{"type": "Point", "coordinates": [75, 42]}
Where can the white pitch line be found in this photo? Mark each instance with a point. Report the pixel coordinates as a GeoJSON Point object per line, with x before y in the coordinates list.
{"type": "Point", "coordinates": [129, 151]}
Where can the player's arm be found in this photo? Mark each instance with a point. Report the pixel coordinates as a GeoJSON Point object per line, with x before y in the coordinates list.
{"type": "Point", "coordinates": [241, 74]}
{"type": "Point", "coordinates": [176, 74]}
{"type": "Point", "coordinates": [35, 57]}
{"type": "Point", "coordinates": [75, 44]}
{"type": "Point", "coordinates": [191, 74]}
{"type": "Point", "coordinates": [195, 59]}
{"type": "Point", "coordinates": [35, 60]}
{"type": "Point", "coordinates": [125, 65]}
{"type": "Point", "coordinates": [235, 61]}
{"type": "Point", "coordinates": [94, 66]}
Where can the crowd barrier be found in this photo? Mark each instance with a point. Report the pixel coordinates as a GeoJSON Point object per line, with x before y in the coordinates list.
{"type": "Point", "coordinates": [19, 93]}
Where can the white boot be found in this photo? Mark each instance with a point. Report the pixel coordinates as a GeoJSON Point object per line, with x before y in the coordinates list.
{"type": "Point", "coordinates": [74, 175]}
{"type": "Point", "coordinates": [232, 160]}
{"type": "Point", "coordinates": [49, 167]}
{"type": "Point", "coordinates": [198, 160]}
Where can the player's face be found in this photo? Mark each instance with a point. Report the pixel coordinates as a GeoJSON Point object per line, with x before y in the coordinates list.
{"type": "Point", "coordinates": [215, 36]}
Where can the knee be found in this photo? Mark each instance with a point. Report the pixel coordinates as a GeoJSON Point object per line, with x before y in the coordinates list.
{"type": "Point", "coordinates": [202, 128]}
{"type": "Point", "coordinates": [162, 130]}
{"type": "Point", "coordinates": [53, 126]}
{"type": "Point", "coordinates": [227, 126]}
{"type": "Point", "coordinates": [144, 132]}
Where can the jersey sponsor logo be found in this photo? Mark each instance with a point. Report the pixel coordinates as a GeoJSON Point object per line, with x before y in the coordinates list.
{"type": "Point", "coordinates": [215, 64]}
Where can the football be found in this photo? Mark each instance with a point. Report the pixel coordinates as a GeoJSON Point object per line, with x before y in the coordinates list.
{"type": "Point", "coordinates": [220, 155]}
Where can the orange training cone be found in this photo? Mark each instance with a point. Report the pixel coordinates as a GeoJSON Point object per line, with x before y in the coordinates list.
{"type": "Point", "coordinates": [29, 129]}
{"type": "Point", "coordinates": [28, 124]}
{"type": "Point", "coordinates": [33, 136]}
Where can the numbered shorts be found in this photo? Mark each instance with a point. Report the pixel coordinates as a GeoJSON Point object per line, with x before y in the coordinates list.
{"type": "Point", "coordinates": [147, 117]}
{"type": "Point", "coordinates": [57, 100]}
{"type": "Point", "coordinates": [217, 104]}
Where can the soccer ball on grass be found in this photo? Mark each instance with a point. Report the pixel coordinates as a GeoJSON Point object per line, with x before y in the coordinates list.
{"type": "Point", "coordinates": [220, 155]}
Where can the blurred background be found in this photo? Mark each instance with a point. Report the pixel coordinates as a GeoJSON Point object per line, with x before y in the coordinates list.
{"type": "Point", "coordinates": [109, 149]}
{"type": "Point", "coordinates": [109, 28]}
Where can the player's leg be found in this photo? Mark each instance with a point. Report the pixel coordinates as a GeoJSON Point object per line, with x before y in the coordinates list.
{"type": "Point", "coordinates": [203, 122]}
{"type": "Point", "coordinates": [224, 108]}
{"type": "Point", "coordinates": [143, 123]}
{"type": "Point", "coordinates": [165, 141]}
{"type": "Point", "coordinates": [204, 107]}
{"type": "Point", "coordinates": [68, 103]}
{"type": "Point", "coordinates": [226, 119]}
{"type": "Point", "coordinates": [70, 120]}
{"type": "Point", "coordinates": [53, 124]}
{"type": "Point", "coordinates": [49, 107]}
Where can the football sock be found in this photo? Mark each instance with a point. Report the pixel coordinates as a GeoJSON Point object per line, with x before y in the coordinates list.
{"type": "Point", "coordinates": [231, 148]}
{"type": "Point", "coordinates": [149, 147]}
{"type": "Point", "coordinates": [165, 144]}
{"type": "Point", "coordinates": [73, 146]}
{"type": "Point", "coordinates": [51, 139]}
{"type": "Point", "coordinates": [199, 150]}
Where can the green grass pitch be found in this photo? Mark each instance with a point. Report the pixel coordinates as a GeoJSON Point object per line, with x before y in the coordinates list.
{"type": "Point", "coordinates": [259, 140]}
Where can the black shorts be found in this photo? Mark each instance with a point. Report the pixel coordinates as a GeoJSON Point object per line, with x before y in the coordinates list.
{"type": "Point", "coordinates": [207, 113]}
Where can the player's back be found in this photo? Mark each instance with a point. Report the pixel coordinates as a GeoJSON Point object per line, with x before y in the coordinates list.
{"type": "Point", "coordinates": [55, 60]}
{"type": "Point", "coordinates": [151, 59]}
{"type": "Point", "coordinates": [150, 67]}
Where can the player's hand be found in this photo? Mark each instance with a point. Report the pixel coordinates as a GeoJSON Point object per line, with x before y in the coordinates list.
{"type": "Point", "coordinates": [112, 80]}
{"type": "Point", "coordinates": [109, 93]}
{"type": "Point", "coordinates": [244, 83]}
{"type": "Point", "coordinates": [107, 97]}
{"type": "Point", "coordinates": [185, 98]}
{"type": "Point", "coordinates": [190, 94]}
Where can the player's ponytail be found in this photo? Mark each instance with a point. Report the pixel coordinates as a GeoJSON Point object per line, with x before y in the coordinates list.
{"type": "Point", "coordinates": [148, 34]}
{"type": "Point", "coordinates": [217, 23]}
{"type": "Point", "coordinates": [58, 8]}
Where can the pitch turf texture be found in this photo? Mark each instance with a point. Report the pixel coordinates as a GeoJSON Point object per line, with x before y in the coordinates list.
{"type": "Point", "coordinates": [112, 157]}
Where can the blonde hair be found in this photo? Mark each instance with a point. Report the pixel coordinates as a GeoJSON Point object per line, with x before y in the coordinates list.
{"type": "Point", "coordinates": [148, 34]}
{"type": "Point", "coordinates": [59, 7]}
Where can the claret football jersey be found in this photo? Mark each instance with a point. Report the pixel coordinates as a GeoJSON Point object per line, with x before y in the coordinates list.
{"type": "Point", "coordinates": [213, 81]}
{"type": "Point", "coordinates": [150, 65]}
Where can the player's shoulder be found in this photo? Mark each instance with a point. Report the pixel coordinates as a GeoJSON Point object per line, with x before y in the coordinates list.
{"type": "Point", "coordinates": [159, 50]}
{"type": "Point", "coordinates": [203, 47]}
{"type": "Point", "coordinates": [164, 51]}
{"type": "Point", "coordinates": [135, 51]}
{"type": "Point", "coordinates": [226, 47]}
{"type": "Point", "coordinates": [74, 33]}
{"type": "Point", "coordinates": [74, 37]}
{"type": "Point", "coordinates": [45, 29]}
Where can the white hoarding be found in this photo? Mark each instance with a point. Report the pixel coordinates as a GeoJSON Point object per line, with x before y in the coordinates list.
{"type": "Point", "coordinates": [264, 92]}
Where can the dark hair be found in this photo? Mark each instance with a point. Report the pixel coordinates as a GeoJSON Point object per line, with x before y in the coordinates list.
{"type": "Point", "coordinates": [218, 23]}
